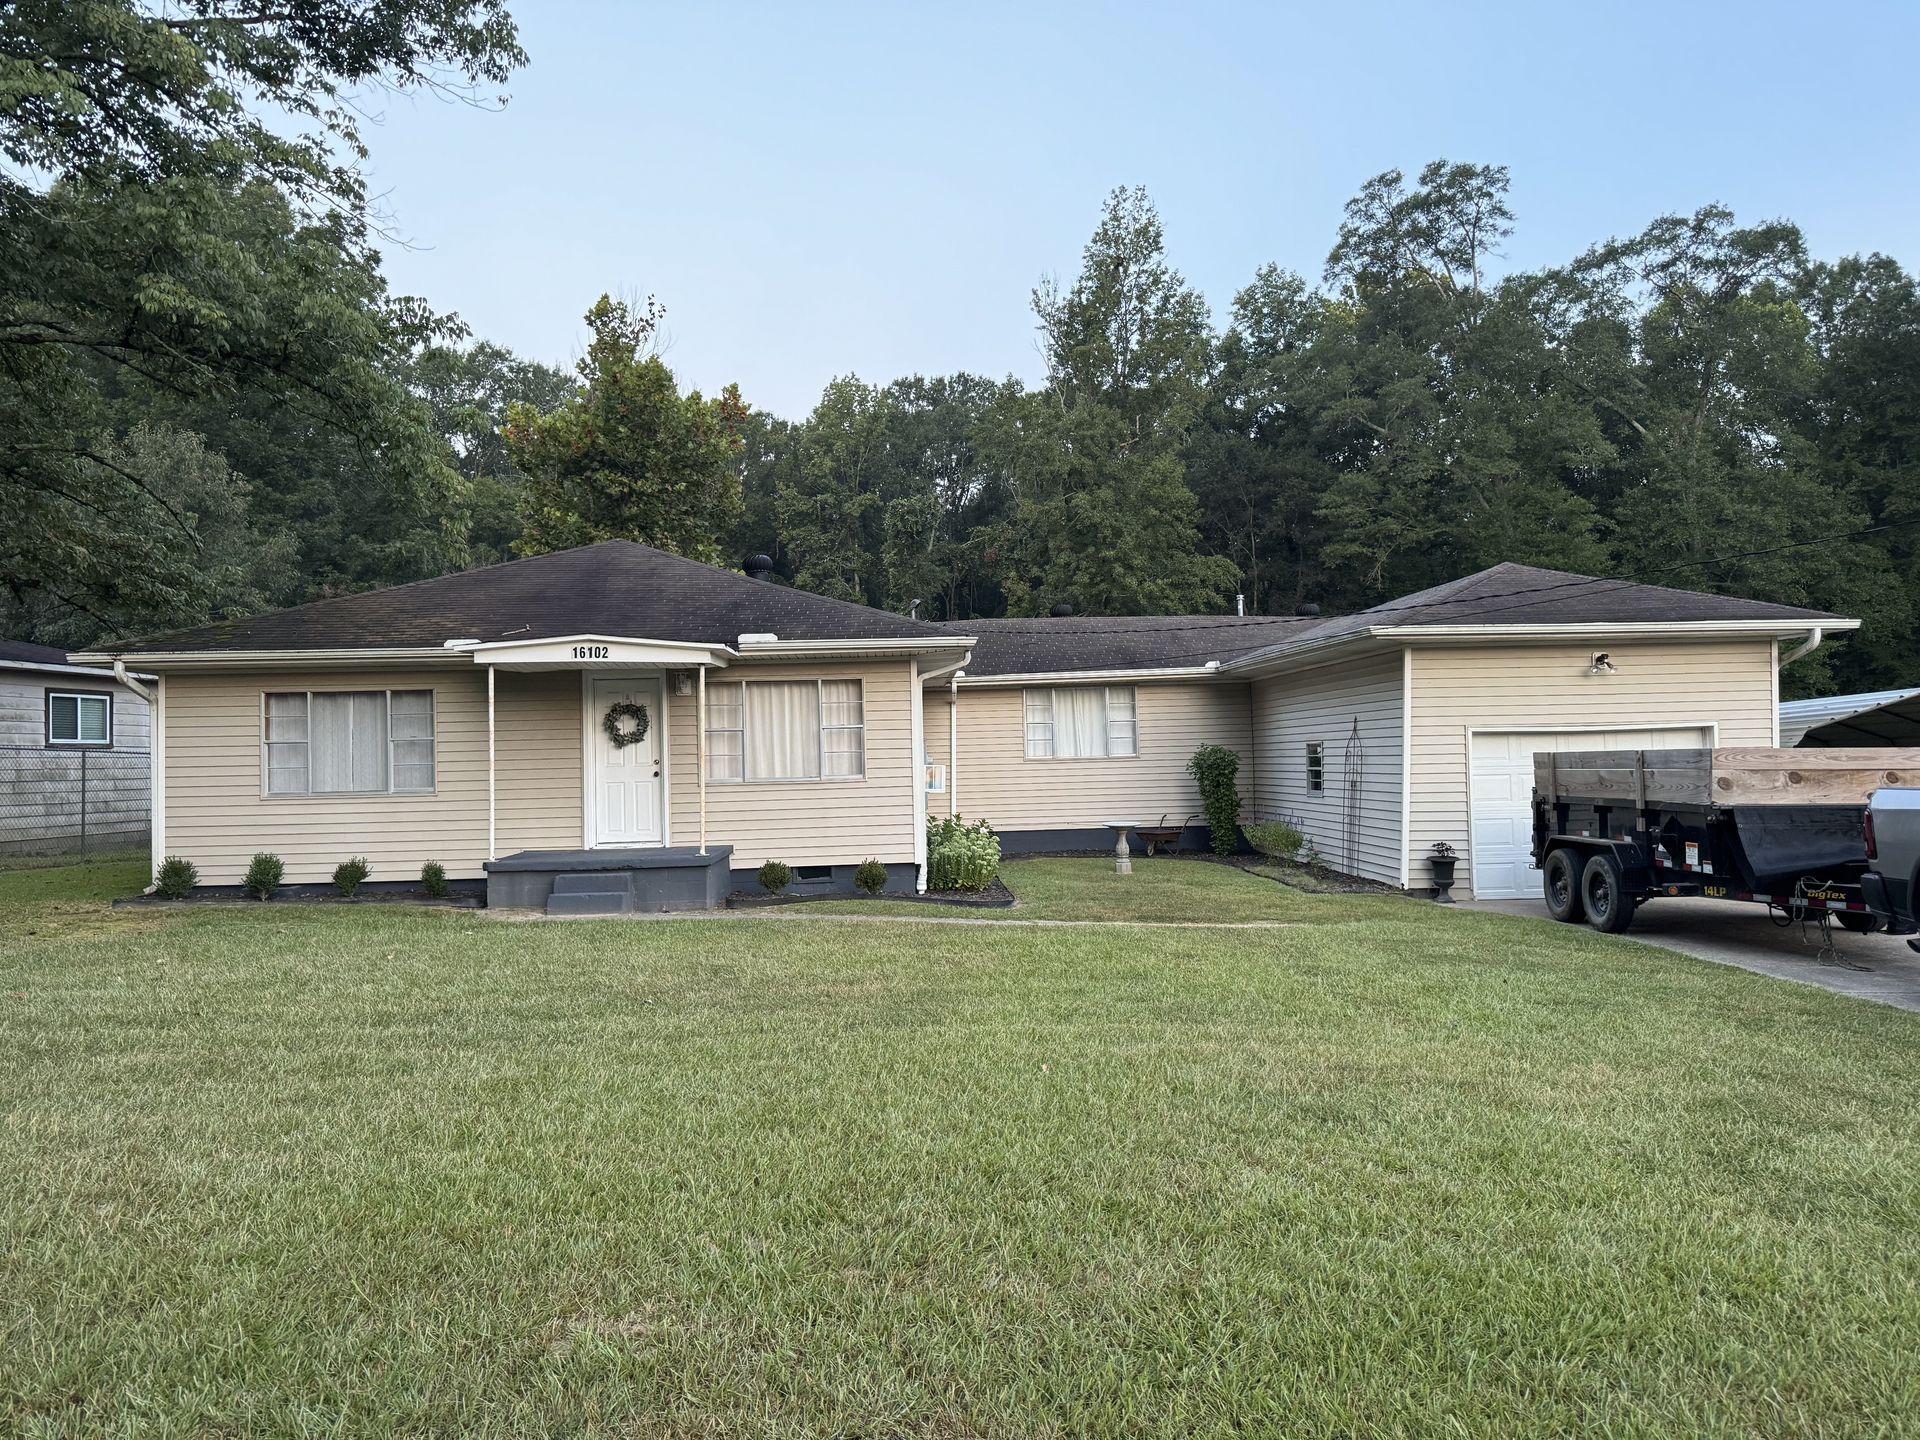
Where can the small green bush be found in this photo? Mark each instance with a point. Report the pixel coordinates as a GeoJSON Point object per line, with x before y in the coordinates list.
{"type": "Point", "coordinates": [775, 876]}
{"type": "Point", "coordinates": [871, 876]}
{"type": "Point", "coordinates": [348, 874]}
{"type": "Point", "coordinates": [264, 875]}
{"type": "Point", "coordinates": [175, 878]}
{"type": "Point", "coordinates": [433, 879]}
{"type": "Point", "coordinates": [961, 856]}
{"type": "Point", "coordinates": [1217, 769]}
{"type": "Point", "coordinates": [1276, 838]}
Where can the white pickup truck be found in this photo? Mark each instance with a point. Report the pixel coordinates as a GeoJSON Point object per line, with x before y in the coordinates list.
{"type": "Point", "coordinates": [1891, 886]}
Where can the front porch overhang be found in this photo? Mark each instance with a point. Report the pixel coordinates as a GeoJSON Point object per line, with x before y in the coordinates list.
{"type": "Point", "coordinates": [597, 652]}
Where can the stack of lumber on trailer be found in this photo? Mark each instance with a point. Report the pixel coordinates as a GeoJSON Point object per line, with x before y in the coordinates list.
{"type": "Point", "coordinates": [1669, 778]}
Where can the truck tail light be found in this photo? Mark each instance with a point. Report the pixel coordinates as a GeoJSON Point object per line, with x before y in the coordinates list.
{"type": "Point", "coordinates": [1873, 848]}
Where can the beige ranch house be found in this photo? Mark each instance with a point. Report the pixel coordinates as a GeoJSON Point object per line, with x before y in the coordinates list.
{"type": "Point", "coordinates": [614, 727]}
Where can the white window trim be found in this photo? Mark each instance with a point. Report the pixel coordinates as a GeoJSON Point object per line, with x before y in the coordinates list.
{"type": "Point", "coordinates": [1316, 762]}
{"type": "Point", "coordinates": [819, 738]}
{"type": "Point", "coordinates": [79, 697]}
{"type": "Point", "coordinates": [1106, 704]}
{"type": "Point", "coordinates": [433, 702]}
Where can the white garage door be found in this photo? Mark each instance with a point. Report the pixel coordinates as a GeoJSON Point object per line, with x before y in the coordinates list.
{"type": "Point", "coordinates": [1502, 856]}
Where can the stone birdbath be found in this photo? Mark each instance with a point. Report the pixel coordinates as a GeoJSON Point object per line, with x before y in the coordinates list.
{"type": "Point", "coordinates": [1122, 856]}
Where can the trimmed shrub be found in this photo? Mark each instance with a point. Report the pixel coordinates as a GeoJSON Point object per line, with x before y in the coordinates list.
{"type": "Point", "coordinates": [961, 856]}
{"type": "Point", "coordinates": [1217, 769]}
{"type": "Point", "coordinates": [348, 874]}
{"type": "Point", "coordinates": [1276, 838]}
{"type": "Point", "coordinates": [775, 876]}
{"type": "Point", "coordinates": [871, 876]}
{"type": "Point", "coordinates": [175, 878]}
{"type": "Point", "coordinates": [433, 879]}
{"type": "Point", "coordinates": [264, 875]}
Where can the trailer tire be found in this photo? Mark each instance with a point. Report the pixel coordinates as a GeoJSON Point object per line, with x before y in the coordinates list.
{"type": "Point", "coordinates": [1855, 921]}
{"type": "Point", "coordinates": [1560, 883]}
{"type": "Point", "coordinates": [1603, 894]}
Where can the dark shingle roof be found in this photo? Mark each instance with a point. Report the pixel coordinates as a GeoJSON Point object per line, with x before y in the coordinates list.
{"type": "Point", "coordinates": [1120, 642]}
{"type": "Point", "coordinates": [1510, 594]}
{"type": "Point", "coordinates": [20, 652]}
{"type": "Point", "coordinates": [613, 588]}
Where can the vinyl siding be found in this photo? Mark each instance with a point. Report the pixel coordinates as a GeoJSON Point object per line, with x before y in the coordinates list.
{"type": "Point", "coordinates": [995, 780]}
{"type": "Point", "coordinates": [537, 780]}
{"type": "Point", "coordinates": [218, 816]}
{"type": "Point", "coordinates": [1290, 711]}
{"type": "Point", "coordinates": [23, 708]}
{"type": "Point", "coordinates": [808, 822]}
{"type": "Point", "coordinates": [1728, 683]}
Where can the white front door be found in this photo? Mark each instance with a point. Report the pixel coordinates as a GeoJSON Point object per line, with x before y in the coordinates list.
{"type": "Point", "coordinates": [626, 786]}
{"type": "Point", "coordinates": [1502, 801]}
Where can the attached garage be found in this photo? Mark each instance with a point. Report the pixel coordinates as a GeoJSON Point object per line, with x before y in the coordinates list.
{"type": "Point", "coordinates": [1500, 813]}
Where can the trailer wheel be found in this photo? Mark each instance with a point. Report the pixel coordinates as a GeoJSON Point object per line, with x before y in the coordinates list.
{"type": "Point", "coordinates": [1603, 890]}
{"type": "Point", "coordinates": [1560, 880]}
{"type": "Point", "coordinates": [1858, 923]}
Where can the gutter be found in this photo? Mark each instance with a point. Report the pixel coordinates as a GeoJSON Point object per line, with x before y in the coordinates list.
{"type": "Point", "coordinates": [47, 668]}
{"type": "Point", "coordinates": [1807, 646]}
{"type": "Point", "coordinates": [1066, 677]}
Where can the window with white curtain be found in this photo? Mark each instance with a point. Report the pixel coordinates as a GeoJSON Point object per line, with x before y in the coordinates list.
{"type": "Point", "coordinates": [349, 742]}
{"type": "Point", "coordinates": [786, 730]}
{"type": "Point", "coordinates": [1082, 722]}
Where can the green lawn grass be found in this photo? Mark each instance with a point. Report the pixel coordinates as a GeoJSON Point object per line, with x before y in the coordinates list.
{"type": "Point", "coordinates": [1161, 888]}
{"type": "Point", "coordinates": [389, 1171]}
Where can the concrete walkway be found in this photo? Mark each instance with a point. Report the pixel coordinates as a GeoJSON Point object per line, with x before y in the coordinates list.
{"type": "Point", "coordinates": [1870, 967]}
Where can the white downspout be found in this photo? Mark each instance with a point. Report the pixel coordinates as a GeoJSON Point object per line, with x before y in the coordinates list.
{"type": "Point", "coordinates": [156, 757]}
{"type": "Point", "coordinates": [1806, 647]}
{"type": "Point", "coordinates": [120, 674]}
{"type": "Point", "coordinates": [918, 713]}
{"type": "Point", "coordinates": [953, 744]}
{"type": "Point", "coordinates": [492, 846]}
{"type": "Point", "coordinates": [700, 754]}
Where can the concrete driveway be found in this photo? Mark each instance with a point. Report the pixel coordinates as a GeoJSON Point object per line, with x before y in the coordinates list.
{"type": "Point", "coordinates": [1872, 967]}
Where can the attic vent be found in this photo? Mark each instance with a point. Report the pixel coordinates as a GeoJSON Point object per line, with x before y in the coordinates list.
{"type": "Point", "coordinates": [1308, 610]}
{"type": "Point", "coordinates": [758, 567]}
{"type": "Point", "coordinates": [1060, 611]}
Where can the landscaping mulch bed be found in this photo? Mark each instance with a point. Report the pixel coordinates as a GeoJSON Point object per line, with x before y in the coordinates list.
{"type": "Point", "coordinates": [455, 901]}
{"type": "Point", "coordinates": [1281, 872]}
{"type": "Point", "coordinates": [995, 897]}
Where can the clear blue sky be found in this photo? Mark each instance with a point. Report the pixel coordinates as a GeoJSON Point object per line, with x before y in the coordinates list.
{"type": "Point", "coordinates": [824, 189]}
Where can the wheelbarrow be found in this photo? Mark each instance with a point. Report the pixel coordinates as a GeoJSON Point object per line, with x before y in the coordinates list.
{"type": "Point", "coordinates": [1153, 836]}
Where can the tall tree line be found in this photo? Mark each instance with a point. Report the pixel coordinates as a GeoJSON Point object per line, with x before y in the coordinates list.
{"type": "Point", "coordinates": [210, 402]}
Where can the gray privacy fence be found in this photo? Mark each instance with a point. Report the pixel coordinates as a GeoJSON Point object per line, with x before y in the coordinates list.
{"type": "Point", "coordinates": [73, 802]}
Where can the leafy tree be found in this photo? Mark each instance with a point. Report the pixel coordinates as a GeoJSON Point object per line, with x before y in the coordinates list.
{"type": "Point", "coordinates": [829, 505]}
{"type": "Point", "coordinates": [160, 224]}
{"type": "Point", "coordinates": [1102, 514]}
{"type": "Point", "coordinates": [628, 457]}
{"type": "Point", "coordinates": [469, 392]}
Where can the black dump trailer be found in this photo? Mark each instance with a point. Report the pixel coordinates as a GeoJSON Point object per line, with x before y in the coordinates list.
{"type": "Point", "coordinates": [1613, 829]}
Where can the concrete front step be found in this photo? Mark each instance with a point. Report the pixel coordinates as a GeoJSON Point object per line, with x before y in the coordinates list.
{"type": "Point", "coordinates": [590, 902]}
{"type": "Point", "coordinates": [592, 882]}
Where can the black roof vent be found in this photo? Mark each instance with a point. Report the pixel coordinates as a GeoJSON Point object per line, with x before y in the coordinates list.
{"type": "Point", "coordinates": [1307, 610]}
{"type": "Point", "coordinates": [1060, 611]}
{"type": "Point", "coordinates": [758, 567]}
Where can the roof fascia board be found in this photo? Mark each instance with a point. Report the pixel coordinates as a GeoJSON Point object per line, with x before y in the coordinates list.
{"type": "Point", "coordinates": [556, 652]}
{"type": "Point", "coordinates": [1091, 677]}
{"type": "Point", "coordinates": [1310, 652]}
{"type": "Point", "coordinates": [899, 645]}
{"type": "Point", "coordinates": [43, 667]}
{"type": "Point", "coordinates": [286, 659]}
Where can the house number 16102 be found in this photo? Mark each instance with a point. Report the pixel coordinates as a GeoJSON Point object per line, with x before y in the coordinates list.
{"type": "Point", "coordinates": [589, 652]}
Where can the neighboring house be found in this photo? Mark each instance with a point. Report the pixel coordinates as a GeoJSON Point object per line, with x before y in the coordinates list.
{"type": "Point", "coordinates": [1882, 717]}
{"type": "Point", "coordinates": [469, 720]}
{"type": "Point", "coordinates": [73, 755]}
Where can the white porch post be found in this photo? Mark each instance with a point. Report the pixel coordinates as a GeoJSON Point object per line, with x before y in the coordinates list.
{"type": "Point", "coordinates": [700, 754]}
{"type": "Point", "coordinates": [492, 852]}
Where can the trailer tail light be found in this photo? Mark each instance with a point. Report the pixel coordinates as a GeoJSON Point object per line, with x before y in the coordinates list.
{"type": "Point", "coordinates": [1873, 848]}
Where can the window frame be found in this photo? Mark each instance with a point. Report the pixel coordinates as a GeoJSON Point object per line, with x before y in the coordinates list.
{"type": "Point", "coordinates": [1027, 723]}
{"type": "Point", "coordinates": [1317, 765]}
{"type": "Point", "coordinates": [78, 742]}
{"type": "Point", "coordinates": [820, 730]}
{"type": "Point", "coordinates": [432, 693]}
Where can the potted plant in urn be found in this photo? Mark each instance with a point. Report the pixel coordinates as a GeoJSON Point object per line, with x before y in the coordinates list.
{"type": "Point", "coordinates": [1442, 858]}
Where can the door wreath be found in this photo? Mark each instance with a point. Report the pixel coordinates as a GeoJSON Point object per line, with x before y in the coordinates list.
{"type": "Point", "coordinates": [625, 710]}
